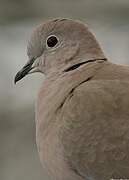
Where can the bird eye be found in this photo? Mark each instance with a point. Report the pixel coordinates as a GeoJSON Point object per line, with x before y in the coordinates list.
{"type": "Point", "coordinates": [52, 41]}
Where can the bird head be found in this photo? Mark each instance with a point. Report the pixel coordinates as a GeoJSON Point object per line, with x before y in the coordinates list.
{"type": "Point", "coordinates": [58, 44]}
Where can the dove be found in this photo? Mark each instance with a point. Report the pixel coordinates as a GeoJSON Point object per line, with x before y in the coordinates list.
{"type": "Point", "coordinates": [82, 109]}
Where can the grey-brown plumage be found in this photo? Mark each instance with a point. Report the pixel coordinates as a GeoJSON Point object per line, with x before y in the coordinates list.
{"type": "Point", "coordinates": [82, 113]}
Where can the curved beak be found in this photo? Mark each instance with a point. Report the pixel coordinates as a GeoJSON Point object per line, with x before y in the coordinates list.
{"type": "Point", "coordinates": [24, 71]}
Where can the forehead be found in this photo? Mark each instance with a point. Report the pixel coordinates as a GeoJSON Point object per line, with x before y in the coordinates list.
{"type": "Point", "coordinates": [49, 26]}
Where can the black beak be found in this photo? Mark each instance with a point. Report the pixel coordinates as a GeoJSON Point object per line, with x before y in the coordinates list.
{"type": "Point", "coordinates": [24, 71]}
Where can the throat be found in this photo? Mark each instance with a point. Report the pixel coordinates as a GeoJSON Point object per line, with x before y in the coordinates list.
{"type": "Point", "coordinates": [76, 66]}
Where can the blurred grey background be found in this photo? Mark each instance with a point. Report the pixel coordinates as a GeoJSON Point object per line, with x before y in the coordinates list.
{"type": "Point", "coordinates": [108, 19]}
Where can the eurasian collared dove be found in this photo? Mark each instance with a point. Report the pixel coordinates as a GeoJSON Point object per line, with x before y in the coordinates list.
{"type": "Point", "coordinates": [82, 113]}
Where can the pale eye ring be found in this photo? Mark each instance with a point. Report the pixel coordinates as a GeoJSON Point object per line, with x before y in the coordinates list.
{"type": "Point", "coordinates": [52, 41]}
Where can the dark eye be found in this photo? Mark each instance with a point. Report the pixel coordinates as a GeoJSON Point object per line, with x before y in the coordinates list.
{"type": "Point", "coordinates": [52, 41]}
